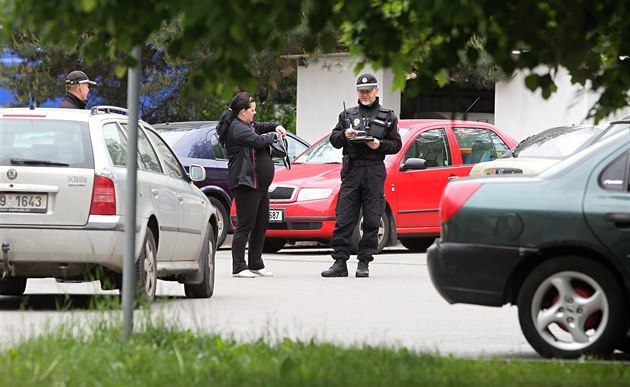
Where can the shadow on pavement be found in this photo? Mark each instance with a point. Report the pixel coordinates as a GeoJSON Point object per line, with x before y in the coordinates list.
{"type": "Point", "coordinates": [68, 302]}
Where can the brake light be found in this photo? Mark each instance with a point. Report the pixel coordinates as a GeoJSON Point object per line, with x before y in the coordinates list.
{"type": "Point", "coordinates": [454, 197]}
{"type": "Point", "coordinates": [103, 196]}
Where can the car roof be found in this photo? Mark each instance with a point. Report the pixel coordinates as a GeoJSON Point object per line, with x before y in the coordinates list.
{"type": "Point", "coordinates": [184, 124]}
{"type": "Point", "coordinates": [63, 113]}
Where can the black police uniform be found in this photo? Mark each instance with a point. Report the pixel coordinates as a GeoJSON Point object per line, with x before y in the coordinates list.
{"type": "Point", "coordinates": [362, 177]}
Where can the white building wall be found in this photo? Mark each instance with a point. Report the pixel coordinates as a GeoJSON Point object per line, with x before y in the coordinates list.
{"type": "Point", "coordinates": [323, 84]}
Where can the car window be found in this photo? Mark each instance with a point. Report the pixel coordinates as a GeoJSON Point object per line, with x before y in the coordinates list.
{"type": "Point", "coordinates": [614, 127]}
{"type": "Point", "coordinates": [295, 147]}
{"type": "Point", "coordinates": [557, 143]}
{"type": "Point", "coordinates": [148, 158]}
{"type": "Point", "coordinates": [173, 168]}
{"type": "Point", "coordinates": [615, 176]}
{"type": "Point", "coordinates": [116, 144]}
{"type": "Point", "coordinates": [321, 152]}
{"type": "Point", "coordinates": [46, 141]}
{"type": "Point", "coordinates": [478, 145]}
{"type": "Point", "coordinates": [217, 149]}
{"type": "Point", "coordinates": [432, 146]}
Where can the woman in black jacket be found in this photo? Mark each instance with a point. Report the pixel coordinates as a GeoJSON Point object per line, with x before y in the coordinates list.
{"type": "Point", "coordinates": [250, 172]}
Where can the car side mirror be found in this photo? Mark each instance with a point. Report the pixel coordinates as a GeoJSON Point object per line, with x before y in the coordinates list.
{"type": "Point", "coordinates": [197, 173]}
{"type": "Point", "coordinates": [413, 164]}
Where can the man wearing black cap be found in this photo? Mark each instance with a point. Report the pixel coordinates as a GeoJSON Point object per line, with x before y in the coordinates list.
{"type": "Point", "coordinates": [366, 132]}
{"type": "Point", "coordinates": [77, 89]}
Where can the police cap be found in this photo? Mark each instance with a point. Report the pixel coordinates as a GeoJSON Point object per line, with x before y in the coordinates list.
{"type": "Point", "coordinates": [366, 82]}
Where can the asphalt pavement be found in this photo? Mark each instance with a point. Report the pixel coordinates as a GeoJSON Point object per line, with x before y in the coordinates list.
{"type": "Point", "coordinates": [396, 307]}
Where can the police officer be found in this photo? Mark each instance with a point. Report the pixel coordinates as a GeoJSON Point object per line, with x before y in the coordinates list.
{"type": "Point", "coordinates": [366, 133]}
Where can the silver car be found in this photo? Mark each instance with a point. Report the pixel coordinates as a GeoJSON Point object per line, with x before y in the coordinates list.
{"type": "Point", "coordinates": [63, 181]}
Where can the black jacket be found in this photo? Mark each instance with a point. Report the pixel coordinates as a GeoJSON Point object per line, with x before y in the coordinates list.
{"type": "Point", "coordinates": [241, 143]}
{"type": "Point", "coordinates": [71, 101]}
{"type": "Point", "coordinates": [377, 121]}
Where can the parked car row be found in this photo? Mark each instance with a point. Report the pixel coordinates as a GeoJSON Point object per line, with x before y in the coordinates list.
{"type": "Point", "coordinates": [555, 243]}
{"type": "Point", "coordinates": [63, 193]}
{"type": "Point", "coordinates": [303, 199]}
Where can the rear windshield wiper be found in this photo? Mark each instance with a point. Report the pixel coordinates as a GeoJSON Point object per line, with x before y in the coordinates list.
{"type": "Point", "coordinates": [19, 161]}
{"type": "Point", "coordinates": [518, 147]}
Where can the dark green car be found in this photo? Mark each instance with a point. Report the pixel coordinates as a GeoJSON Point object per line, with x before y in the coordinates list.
{"type": "Point", "coordinates": [557, 245]}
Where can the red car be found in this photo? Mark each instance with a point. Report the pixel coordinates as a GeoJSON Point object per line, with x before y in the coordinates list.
{"type": "Point", "coordinates": [303, 199]}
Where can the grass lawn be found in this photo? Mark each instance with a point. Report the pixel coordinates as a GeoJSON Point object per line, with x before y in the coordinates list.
{"type": "Point", "coordinates": [157, 355]}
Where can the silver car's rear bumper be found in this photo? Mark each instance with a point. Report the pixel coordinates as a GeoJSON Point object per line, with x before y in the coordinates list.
{"type": "Point", "coordinates": [63, 251]}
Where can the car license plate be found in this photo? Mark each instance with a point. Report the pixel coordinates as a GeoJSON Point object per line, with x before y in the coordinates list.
{"type": "Point", "coordinates": [276, 216]}
{"type": "Point", "coordinates": [23, 202]}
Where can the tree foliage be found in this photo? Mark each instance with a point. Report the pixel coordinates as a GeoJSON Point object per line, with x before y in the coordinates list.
{"type": "Point", "coordinates": [425, 37]}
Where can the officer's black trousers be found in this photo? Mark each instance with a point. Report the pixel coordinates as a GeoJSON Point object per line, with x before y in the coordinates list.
{"type": "Point", "coordinates": [252, 211]}
{"type": "Point", "coordinates": [361, 189]}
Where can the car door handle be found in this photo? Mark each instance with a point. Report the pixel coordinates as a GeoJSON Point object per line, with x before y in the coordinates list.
{"type": "Point", "coordinates": [180, 197]}
{"type": "Point", "coordinates": [620, 219]}
{"type": "Point", "coordinates": [155, 192]}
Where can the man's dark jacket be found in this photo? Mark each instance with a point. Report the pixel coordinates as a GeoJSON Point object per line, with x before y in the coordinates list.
{"type": "Point", "coordinates": [71, 101]}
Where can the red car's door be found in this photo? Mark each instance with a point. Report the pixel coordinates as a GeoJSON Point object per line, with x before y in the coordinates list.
{"type": "Point", "coordinates": [419, 191]}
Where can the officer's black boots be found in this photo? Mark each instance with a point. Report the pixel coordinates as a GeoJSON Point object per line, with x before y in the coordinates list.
{"type": "Point", "coordinates": [362, 269]}
{"type": "Point", "coordinates": [338, 269]}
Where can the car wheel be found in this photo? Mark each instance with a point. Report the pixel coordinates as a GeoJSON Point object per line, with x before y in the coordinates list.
{"type": "Point", "coordinates": [418, 245]}
{"type": "Point", "coordinates": [383, 234]}
{"type": "Point", "coordinates": [205, 288]}
{"type": "Point", "coordinates": [624, 346]}
{"type": "Point", "coordinates": [146, 270]}
{"type": "Point", "coordinates": [222, 220]}
{"type": "Point", "coordinates": [273, 245]}
{"type": "Point", "coordinates": [12, 286]}
{"type": "Point", "coordinates": [572, 306]}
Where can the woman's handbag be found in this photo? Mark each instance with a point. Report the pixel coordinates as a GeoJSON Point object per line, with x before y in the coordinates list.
{"type": "Point", "coordinates": [279, 148]}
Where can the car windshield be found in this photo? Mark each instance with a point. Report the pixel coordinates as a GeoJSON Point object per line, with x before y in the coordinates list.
{"type": "Point", "coordinates": [322, 152]}
{"type": "Point", "coordinates": [173, 135]}
{"type": "Point", "coordinates": [555, 143]}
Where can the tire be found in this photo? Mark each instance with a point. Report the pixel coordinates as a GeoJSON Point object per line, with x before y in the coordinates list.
{"type": "Point", "coordinates": [273, 245]}
{"type": "Point", "coordinates": [586, 316]}
{"type": "Point", "coordinates": [222, 220]}
{"type": "Point", "coordinates": [383, 234]}
{"type": "Point", "coordinates": [12, 286]}
{"type": "Point", "coordinates": [146, 270]}
{"type": "Point", "coordinates": [624, 346]}
{"type": "Point", "coordinates": [418, 245]}
{"type": "Point", "coordinates": [205, 288]}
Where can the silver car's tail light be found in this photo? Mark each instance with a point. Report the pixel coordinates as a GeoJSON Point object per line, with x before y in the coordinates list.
{"type": "Point", "coordinates": [103, 196]}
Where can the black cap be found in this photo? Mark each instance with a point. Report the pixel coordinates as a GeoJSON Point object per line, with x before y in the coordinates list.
{"type": "Point", "coordinates": [77, 77]}
{"type": "Point", "coordinates": [366, 82]}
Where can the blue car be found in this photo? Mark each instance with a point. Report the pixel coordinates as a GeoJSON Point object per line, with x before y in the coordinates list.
{"type": "Point", "coordinates": [197, 142]}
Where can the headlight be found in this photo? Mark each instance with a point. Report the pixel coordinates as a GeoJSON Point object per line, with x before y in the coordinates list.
{"type": "Point", "coordinates": [314, 193]}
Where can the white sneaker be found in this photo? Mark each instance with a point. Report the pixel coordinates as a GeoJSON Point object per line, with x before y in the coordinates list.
{"type": "Point", "coordinates": [244, 274]}
{"type": "Point", "coordinates": [262, 272]}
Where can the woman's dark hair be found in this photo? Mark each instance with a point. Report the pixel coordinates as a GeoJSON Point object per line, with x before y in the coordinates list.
{"type": "Point", "coordinates": [240, 101]}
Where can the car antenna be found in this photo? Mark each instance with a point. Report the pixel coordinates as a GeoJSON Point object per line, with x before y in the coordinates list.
{"type": "Point", "coordinates": [346, 115]}
{"type": "Point", "coordinates": [469, 107]}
